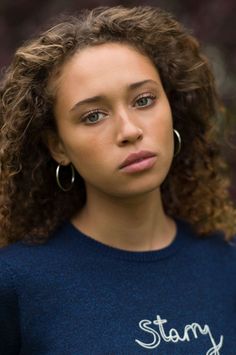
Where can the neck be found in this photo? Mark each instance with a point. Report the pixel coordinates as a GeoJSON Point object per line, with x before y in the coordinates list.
{"type": "Point", "coordinates": [136, 224]}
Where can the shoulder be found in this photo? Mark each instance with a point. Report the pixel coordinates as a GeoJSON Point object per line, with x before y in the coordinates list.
{"type": "Point", "coordinates": [9, 311]}
{"type": "Point", "coordinates": [213, 246]}
{"type": "Point", "coordinates": [20, 255]}
{"type": "Point", "coordinates": [212, 250]}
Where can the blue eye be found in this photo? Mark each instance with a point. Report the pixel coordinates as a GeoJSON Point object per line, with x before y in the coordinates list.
{"type": "Point", "coordinates": [93, 117]}
{"type": "Point", "coordinates": [144, 101]}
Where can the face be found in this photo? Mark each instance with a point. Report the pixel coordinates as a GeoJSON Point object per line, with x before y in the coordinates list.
{"type": "Point", "coordinates": [114, 120]}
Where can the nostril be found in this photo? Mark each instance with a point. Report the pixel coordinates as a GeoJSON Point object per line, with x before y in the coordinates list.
{"type": "Point", "coordinates": [125, 141]}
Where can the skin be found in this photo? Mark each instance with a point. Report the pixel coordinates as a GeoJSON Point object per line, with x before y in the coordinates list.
{"type": "Point", "coordinates": [123, 210]}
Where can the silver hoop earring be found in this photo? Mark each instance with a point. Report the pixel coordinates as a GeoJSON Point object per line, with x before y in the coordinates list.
{"type": "Point", "coordinates": [179, 142]}
{"type": "Point", "coordinates": [58, 178]}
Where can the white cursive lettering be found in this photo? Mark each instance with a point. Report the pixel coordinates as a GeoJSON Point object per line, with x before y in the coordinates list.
{"type": "Point", "coordinates": [194, 330]}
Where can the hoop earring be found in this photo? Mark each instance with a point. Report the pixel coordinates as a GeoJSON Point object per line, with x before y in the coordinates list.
{"type": "Point", "coordinates": [58, 178]}
{"type": "Point", "coordinates": [179, 142]}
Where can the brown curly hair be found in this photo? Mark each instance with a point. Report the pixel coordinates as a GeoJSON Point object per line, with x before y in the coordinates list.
{"type": "Point", "coordinates": [196, 188]}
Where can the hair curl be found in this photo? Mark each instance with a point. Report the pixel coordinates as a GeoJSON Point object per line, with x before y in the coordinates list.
{"type": "Point", "coordinates": [196, 187]}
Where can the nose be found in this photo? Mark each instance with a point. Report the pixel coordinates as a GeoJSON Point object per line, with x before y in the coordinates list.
{"type": "Point", "coordinates": [128, 129]}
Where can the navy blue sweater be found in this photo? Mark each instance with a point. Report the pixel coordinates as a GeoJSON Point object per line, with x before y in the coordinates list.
{"type": "Point", "coordinates": [74, 295]}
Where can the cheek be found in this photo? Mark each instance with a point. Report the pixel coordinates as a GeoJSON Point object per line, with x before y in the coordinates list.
{"type": "Point", "coordinates": [165, 139]}
{"type": "Point", "coordinates": [163, 129]}
{"type": "Point", "coordinates": [170, 140]}
{"type": "Point", "coordinates": [86, 155]}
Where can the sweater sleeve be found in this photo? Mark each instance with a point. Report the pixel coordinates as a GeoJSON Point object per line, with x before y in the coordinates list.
{"type": "Point", "coordinates": [9, 313]}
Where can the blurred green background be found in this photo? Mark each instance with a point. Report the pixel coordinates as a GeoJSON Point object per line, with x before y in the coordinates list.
{"type": "Point", "coordinates": [211, 21]}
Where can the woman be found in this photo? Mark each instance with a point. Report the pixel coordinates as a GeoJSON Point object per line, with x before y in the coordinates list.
{"type": "Point", "coordinates": [116, 224]}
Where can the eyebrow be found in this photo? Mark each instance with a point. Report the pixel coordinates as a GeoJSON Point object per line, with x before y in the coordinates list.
{"type": "Point", "coordinates": [97, 98]}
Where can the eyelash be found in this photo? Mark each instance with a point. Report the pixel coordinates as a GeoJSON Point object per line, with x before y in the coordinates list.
{"type": "Point", "coordinates": [84, 118]}
{"type": "Point", "coordinates": [148, 96]}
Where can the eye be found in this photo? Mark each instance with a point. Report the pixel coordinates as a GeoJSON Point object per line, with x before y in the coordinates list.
{"type": "Point", "coordinates": [93, 117]}
{"type": "Point", "coordinates": [145, 100]}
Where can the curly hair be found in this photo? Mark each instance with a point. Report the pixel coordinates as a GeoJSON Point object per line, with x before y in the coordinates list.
{"type": "Point", "coordinates": [196, 188]}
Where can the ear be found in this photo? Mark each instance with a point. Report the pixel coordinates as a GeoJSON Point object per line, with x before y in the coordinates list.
{"type": "Point", "coordinates": [56, 147]}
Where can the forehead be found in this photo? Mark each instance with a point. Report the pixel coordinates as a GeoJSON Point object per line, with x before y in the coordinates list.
{"type": "Point", "coordinates": [104, 61]}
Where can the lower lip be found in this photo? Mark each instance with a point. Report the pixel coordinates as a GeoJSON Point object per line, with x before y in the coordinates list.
{"type": "Point", "coordinates": [142, 165]}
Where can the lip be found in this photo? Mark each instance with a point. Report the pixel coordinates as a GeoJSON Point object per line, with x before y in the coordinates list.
{"type": "Point", "coordinates": [138, 161]}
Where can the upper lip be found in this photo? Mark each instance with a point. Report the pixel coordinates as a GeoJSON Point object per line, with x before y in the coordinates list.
{"type": "Point", "coordinates": [135, 157]}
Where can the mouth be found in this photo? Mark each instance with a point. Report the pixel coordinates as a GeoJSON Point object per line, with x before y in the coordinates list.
{"type": "Point", "coordinates": [138, 161]}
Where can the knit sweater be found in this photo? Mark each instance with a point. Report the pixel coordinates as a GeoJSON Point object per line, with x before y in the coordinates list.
{"type": "Point", "coordinates": [74, 295]}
